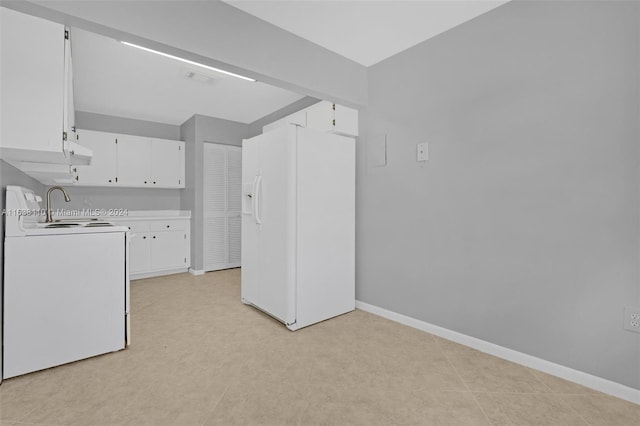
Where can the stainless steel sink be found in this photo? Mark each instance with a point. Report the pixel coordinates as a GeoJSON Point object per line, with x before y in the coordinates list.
{"type": "Point", "coordinates": [76, 220]}
{"type": "Point", "coordinates": [77, 224]}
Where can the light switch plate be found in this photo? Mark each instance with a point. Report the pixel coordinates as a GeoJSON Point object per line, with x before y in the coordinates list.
{"type": "Point", "coordinates": [422, 152]}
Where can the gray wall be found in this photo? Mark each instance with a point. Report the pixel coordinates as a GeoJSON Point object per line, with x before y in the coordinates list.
{"type": "Point", "coordinates": [522, 228]}
{"type": "Point", "coordinates": [217, 34]}
{"type": "Point", "coordinates": [128, 198]}
{"type": "Point", "coordinates": [210, 129]}
{"type": "Point", "coordinates": [127, 126]}
{"type": "Point", "coordinates": [196, 132]}
{"type": "Point", "coordinates": [188, 196]}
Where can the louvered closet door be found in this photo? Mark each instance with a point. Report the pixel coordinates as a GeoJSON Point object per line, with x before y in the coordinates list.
{"type": "Point", "coordinates": [214, 204]}
{"type": "Point", "coordinates": [222, 205]}
{"type": "Point", "coordinates": [234, 200]}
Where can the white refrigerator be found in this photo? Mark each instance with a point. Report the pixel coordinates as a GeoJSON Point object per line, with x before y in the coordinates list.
{"type": "Point", "coordinates": [298, 225]}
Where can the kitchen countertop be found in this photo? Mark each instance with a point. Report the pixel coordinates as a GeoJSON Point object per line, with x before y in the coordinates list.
{"type": "Point", "coordinates": [125, 214]}
{"type": "Point", "coordinates": [42, 231]}
{"type": "Point", "coordinates": [150, 214]}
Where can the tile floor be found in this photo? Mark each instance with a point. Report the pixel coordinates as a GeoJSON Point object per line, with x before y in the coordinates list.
{"type": "Point", "coordinates": [200, 357]}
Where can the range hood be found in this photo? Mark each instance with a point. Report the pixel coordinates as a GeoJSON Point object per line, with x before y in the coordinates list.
{"type": "Point", "coordinates": [78, 154]}
{"type": "Point", "coordinates": [47, 173]}
{"type": "Point", "coordinates": [73, 155]}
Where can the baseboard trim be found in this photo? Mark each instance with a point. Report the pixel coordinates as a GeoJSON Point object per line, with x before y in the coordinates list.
{"type": "Point", "coordinates": [152, 274]}
{"type": "Point", "coordinates": [576, 376]}
{"type": "Point", "coordinates": [196, 272]}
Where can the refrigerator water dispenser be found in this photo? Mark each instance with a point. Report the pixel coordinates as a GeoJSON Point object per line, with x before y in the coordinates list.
{"type": "Point", "coordinates": [247, 198]}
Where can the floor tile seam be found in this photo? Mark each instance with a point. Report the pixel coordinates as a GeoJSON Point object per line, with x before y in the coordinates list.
{"type": "Point", "coordinates": [215, 406]}
{"type": "Point", "coordinates": [578, 413]}
{"type": "Point", "coordinates": [533, 373]}
{"type": "Point", "coordinates": [19, 421]}
{"type": "Point", "coordinates": [475, 397]}
{"type": "Point", "coordinates": [455, 369]}
{"type": "Point", "coordinates": [433, 339]}
{"type": "Point", "coordinates": [536, 378]}
{"type": "Point", "coordinates": [307, 392]}
{"type": "Point", "coordinates": [11, 420]}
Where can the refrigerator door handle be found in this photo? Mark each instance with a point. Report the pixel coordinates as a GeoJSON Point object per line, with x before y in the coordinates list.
{"type": "Point", "coordinates": [254, 197]}
{"type": "Point", "coordinates": [258, 200]}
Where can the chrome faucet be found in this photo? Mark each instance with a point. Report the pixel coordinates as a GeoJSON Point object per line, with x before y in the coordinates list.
{"type": "Point", "coordinates": [66, 198]}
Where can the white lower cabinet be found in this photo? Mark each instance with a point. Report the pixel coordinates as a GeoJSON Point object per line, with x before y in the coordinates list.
{"type": "Point", "coordinates": [139, 248]}
{"type": "Point", "coordinates": [157, 246]}
{"type": "Point", "coordinates": [168, 250]}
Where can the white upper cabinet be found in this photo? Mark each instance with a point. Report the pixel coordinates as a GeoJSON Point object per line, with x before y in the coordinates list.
{"type": "Point", "coordinates": [68, 110]}
{"type": "Point", "coordinates": [131, 161]}
{"type": "Point", "coordinates": [103, 169]}
{"type": "Point", "coordinates": [134, 160]}
{"type": "Point", "coordinates": [167, 163]}
{"type": "Point", "coordinates": [329, 117]}
{"type": "Point", "coordinates": [37, 99]}
{"type": "Point", "coordinates": [324, 117]}
{"type": "Point", "coordinates": [299, 119]}
{"type": "Point", "coordinates": [32, 79]}
{"type": "Point", "coordinates": [320, 117]}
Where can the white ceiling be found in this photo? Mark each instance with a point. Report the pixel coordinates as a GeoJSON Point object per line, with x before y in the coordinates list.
{"type": "Point", "coordinates": [114, 79]}
{"type": "Point", "coordinates": [366, 31]}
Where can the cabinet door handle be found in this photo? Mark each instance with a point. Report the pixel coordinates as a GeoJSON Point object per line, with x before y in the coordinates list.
{"type": "Point", "coordinates": [109, 180]}
{"type": "Point", "coordinates": [144, 237]}
{"type": "Point", "coordinates": [154, 182]}
{"type": "Point", "coordinates": [168, 226]}
{"type": "Point", "coordinates": [154, 237]}
{"type": "Point", "coordinates": [145, 181]}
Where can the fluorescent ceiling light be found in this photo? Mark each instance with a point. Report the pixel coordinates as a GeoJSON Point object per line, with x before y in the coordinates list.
{"type": "Point", "coordinates": [177, 58]}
